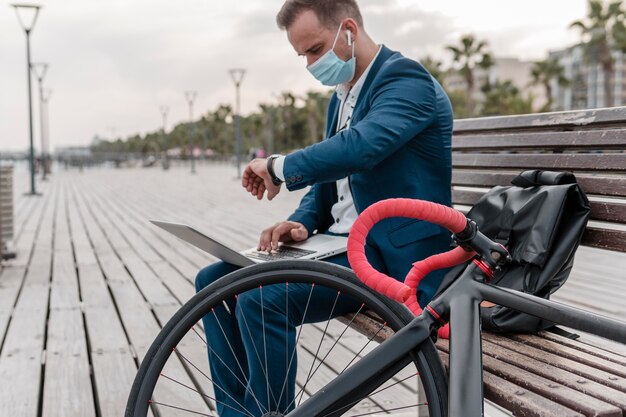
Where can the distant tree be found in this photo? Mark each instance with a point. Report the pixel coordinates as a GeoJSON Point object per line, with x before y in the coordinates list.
{"type": "Point", "coordinates": [504, 98]}
{"type": "Point", "coordinates": [471, 54]}
{"type": "Point", "coordinates": [458, 99]}
{"type": "Point", "coordinates": [543, 72]}
{"type": "Point", "coordinates": [434, 67]}
{"type": "Point", "coordinates": [602, 31]}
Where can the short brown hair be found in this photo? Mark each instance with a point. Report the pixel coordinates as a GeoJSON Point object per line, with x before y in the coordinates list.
{"type": "Point", "coordinates": [329, 12]}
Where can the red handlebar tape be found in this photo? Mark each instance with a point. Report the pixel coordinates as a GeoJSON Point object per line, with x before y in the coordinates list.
{"type": "Point", "coordinates": [404, 292]}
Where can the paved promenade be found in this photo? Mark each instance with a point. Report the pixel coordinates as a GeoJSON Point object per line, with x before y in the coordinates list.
{"type": "Point", "coordinates": [94, 281]}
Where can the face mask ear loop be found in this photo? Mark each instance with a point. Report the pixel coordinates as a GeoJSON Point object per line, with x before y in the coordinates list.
{"type": "Point", "coordinates": [352, 48]}
{"type": "Point", "coordinates": [337, 37]}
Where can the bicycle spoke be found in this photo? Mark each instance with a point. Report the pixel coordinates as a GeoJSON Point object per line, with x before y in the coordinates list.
{"type": "Point", "coordinates": [214, 383]}
{"type": "Point", "coordinates": [308, 377]}
{"type": "Point", "coordinates": [181, 409]}
{"type": "Point", "coordinates": [391, 385]}
{"type": "Point", "coordinates": [337, 340]}
{"type": "Point", "coordinates": [266, 372]}
{"type": "Point", "coordinates": [293, 353]}
{"type": "Point", "coordinates": [247, 384]}
{"type": "Point", "coordinates": [256, 351]}
{"type": "Point", "coordinates": [363, 348]}
{"type": "Point", "coordinates": [391, 409]}
{"type": "Point", "coordinates": [332, 347]}
{"type": "Point", "coordinates": [387, 410]}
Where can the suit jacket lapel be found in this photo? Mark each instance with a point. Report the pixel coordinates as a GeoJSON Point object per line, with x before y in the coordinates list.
{"type": "Point", "coordinates": [383, 56]}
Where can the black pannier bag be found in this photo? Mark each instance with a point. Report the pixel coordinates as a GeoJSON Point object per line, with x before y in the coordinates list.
{"type": "Point", "coordinates": [540, 219]}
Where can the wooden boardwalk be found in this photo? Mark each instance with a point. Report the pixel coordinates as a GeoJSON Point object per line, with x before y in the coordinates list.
{"type": "Point", "coordinates": [94, 281]}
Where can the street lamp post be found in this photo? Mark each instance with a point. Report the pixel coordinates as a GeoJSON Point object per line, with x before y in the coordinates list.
{"type": "Point", "coordinates": [166, 162]}
{"type": "Point", "coordinates": [191, 96]}
{"type": "Point", "coordinates": [237, 75]}
{"type": "Point", "coordinates": [40, 69]}
{"type": "Point", "coordinates": [45, 144]}
{"type": "Point", "coordinates": [28, 27]}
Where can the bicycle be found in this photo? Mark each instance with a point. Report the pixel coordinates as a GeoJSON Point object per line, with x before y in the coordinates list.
{"type": "Point", "coordinates": [367, 376]}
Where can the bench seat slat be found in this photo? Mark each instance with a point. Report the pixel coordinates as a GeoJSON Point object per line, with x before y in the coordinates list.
{"type": "Point", "coordinates": [600, 210]}
{"type": "Point", "coordinates": [592, 184]}
{"type": "Point", "coordinates": [560, 376]}
{"type": "Point", "coordinates": [559, 393]}
{"type": "Point", "coordinates": [581, 140]}
{"type": "Point", "coordinates": [513, 397]}
{"type": "Point", "coordinates": [605, 239]}
{"type": "Point", "coordinates": [592, 350]}
{"type": "Point", "coordinates": [559, 162]}
{"type": "Point", "coordinates": [569, 364]}
{"type": "Point", "coordinates": [568, 352]}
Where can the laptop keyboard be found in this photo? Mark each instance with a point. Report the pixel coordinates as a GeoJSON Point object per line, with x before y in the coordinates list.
{"type": "Point", "coordinates": [284, 252]}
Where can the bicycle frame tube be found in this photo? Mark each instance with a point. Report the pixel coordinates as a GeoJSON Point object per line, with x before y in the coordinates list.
{"type": "Point", "coordinates": [369, 373]}
{"type": "Point", "coordinates": [460, 303]}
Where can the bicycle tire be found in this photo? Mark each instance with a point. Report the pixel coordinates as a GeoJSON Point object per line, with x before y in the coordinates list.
{"type": "Point", "coordinates": [425, 357]}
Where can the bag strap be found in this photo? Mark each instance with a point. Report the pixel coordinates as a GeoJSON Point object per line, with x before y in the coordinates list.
{"type": "Point", "coordinates": [537, 177]}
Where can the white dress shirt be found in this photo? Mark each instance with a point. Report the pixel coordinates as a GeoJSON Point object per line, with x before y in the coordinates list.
{"type": "Point", "coordinates": [343, 211]}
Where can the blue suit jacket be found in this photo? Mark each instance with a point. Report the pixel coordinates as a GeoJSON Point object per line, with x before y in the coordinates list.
{"type": "Point", "coordinates": [398, 145]}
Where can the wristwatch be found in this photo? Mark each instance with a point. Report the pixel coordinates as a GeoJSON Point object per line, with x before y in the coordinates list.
{"type": "Point", "coordinates": [270, 169]}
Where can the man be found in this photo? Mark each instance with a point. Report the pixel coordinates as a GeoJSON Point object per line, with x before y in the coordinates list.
{"type": "Point", "coordinates": [388, 135]}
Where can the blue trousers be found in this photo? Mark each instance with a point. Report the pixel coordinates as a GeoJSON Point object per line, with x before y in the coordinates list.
{"type": "Point", "coordinates": [251, 345]}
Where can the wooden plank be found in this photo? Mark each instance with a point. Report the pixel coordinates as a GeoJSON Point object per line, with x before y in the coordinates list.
{"type": "Point", "coordinates": [559, 376]}
{"type": "Point", "coordinates": [568, 120]}
{"type": "Point", "coordinates": [557, 392]}
{"type": "Point", "coordinates": [67, 384]}
{"type": "Point", "coordinates": [569, 352]}
{"type": "Point", "coordinates": [114, 373]}
{"type": "Point", "coordinates": [521, 401]}
{"type": "Point", "coordinates": [139, 322]}
{"type": "Point", "coordinates": [592, 184]}
{"type": "Point", "coordinates": [605, 239]}
{"type": "Point", "coordinates": [614, 162]}
{"type": "Point", "coordinates": [584, 347]}
{"type": "Point", "coordinates": [20, 359]}
{"type": "Point", "coordinates": [585, 139]}
{"type": "Point", "coordinates": [607, 378]}
{"type": "Point", "coordinates": [600, 210]}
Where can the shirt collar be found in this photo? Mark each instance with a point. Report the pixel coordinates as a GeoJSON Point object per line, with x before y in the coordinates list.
{"type": "Point", "coordinates": [343, 90]}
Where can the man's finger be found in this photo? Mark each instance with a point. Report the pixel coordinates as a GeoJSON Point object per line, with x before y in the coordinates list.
{"type": "Point", "coordinates": [279, 231]}
{"type": "Point", "coordinates": [299, 233]}
{"type": "Point", "coordinates": [266, 237]}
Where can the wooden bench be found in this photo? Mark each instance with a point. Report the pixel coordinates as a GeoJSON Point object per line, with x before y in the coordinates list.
{"type": "Point", "coordinates": [549, 374]}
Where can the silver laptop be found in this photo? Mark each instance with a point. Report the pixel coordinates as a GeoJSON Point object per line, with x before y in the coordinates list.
{"type": "Point", "coordinates": [315, 247]}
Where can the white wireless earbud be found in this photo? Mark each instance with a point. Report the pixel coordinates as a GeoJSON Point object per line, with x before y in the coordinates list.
{"type": "Point", "coordinates": [349, 38]}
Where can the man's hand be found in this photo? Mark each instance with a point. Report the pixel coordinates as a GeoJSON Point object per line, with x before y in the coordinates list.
{"type": "Point", "coordinates": [282, 232]}
{"type": "Point", "coordinates": [256, 180]}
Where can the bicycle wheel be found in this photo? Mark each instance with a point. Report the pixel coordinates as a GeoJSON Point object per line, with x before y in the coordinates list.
{"type": "Point", "coordinates": [174, 380]}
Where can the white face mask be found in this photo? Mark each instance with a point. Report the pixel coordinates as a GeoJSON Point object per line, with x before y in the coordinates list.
{"type": "Point", "coordinates": [331, 70]}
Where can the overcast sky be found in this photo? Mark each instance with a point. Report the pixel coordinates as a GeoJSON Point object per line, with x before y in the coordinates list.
{"type": "Point", "coordinates": [113, 62]}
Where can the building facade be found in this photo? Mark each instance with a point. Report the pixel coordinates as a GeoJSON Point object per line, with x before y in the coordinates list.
{"type": "Point", "coordinates": [586, 76]}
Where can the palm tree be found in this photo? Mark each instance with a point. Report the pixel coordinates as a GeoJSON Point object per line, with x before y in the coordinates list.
{"type": "Point", "coordinates": [603, 30]}
{"type": "Point", "coordinates": [504, 98]}
{"type": "Point", "coordinates": [471, 54]}
{"type": "Point", "coordinates": [543, 72]}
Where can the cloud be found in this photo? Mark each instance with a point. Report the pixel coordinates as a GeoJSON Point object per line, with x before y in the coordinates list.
{"type": "Point", "coordinates": [114, 62]}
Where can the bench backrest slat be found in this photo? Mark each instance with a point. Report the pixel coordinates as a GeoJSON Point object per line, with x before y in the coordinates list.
{"type": "Point", "coordinates": [591, 144]}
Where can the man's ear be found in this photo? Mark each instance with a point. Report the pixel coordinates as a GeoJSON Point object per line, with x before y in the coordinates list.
{"type": "Point", "coordinates": [352, 30]}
